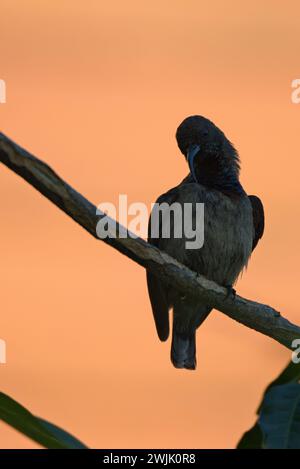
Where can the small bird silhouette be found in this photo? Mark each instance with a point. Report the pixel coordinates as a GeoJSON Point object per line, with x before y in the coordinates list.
{"type": "Point", "coordinates": [233, 225]}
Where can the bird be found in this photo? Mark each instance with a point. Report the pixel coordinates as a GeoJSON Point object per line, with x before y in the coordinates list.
{"type": "Point", "coordinates": [233, 225]}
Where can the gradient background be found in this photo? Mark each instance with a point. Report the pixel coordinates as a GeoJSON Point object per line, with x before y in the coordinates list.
{"type": "Point", "coordinates": [97, 90]}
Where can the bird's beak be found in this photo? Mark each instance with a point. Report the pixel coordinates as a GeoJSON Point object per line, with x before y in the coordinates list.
{"type": "Point", "coordinates": [191, 153]}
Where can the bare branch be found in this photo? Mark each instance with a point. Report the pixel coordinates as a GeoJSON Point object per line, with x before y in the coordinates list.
{"type": "Point", "coordinates": [257, 316]}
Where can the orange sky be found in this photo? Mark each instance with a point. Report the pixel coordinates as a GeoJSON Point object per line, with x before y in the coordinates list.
{"type": "Point", "coordinates": [97, 90]}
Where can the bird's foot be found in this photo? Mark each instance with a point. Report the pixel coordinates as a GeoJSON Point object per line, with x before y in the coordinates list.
{"type": "Point", "coordinates": [231, 292]}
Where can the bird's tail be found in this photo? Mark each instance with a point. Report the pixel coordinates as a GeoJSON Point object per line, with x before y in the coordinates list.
{"type": "Point", "coordinates": [183, 350]}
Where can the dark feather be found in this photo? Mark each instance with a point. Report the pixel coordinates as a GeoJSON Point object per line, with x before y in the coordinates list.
{"type": "Point", "coordinates": [160, 307]}
{"type": "Point", "coordinates": [158, 293]}
{"type": "Point", "coordinates": [258, 219]}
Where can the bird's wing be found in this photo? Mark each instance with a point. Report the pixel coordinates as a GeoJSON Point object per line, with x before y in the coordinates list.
{"type": "Point", "coordinates": [258, 219]}
{"type": "Point", "coordinates": [158, 292]}
{"type": "Point", "coordinates": [160, 307]}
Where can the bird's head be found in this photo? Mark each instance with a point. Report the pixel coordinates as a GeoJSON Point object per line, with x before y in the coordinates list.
{"type": "Point", "coordinates": [209, 153]}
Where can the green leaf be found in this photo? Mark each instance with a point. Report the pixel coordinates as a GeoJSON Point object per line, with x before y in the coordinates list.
{"type": "Point", "coordinates": [62, 435]}
{"type": "Point", "coordinates": [253, 438]}
{"type": "Point", "coordinates": [290, 374]}
{"type": "Point", "coordinates": [280, 417]}
{"type": "Point", "coordinates": [39, 430]}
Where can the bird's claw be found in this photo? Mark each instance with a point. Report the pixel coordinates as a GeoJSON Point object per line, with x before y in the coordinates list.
{"type": "Point", "coordinates": [231, 292]}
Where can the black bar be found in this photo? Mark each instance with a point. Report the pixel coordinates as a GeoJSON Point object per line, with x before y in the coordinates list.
{"type": "Point", "coordinates": [137, 457]}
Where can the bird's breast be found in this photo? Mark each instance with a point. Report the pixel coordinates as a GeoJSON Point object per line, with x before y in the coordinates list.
{"type": "Point", "coordinates": [228, 234]}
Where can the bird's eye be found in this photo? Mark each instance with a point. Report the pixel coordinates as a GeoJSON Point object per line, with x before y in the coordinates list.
{"type": "Point", "coordinates": [205, 133]}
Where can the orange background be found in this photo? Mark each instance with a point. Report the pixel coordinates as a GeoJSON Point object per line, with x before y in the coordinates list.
{"type": "Point", "coordinates": [97, 90]}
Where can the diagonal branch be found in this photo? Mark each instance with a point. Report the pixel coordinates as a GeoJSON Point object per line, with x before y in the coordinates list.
{"type": "Point", "coordinates": [257, 316]}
